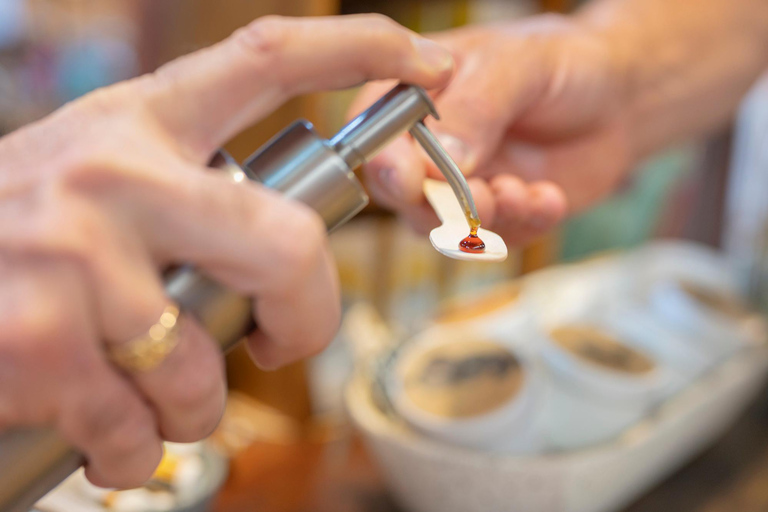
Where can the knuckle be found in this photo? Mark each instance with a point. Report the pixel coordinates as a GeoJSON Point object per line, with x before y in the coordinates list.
{"type": "Point", "coordinates": [98, 103]}
{"type": "Point", "coordinates": [234, 204]}
{"type": "Point", "coordinates": [122, 424]}
{"type": "Point", "coordinates": [192, 428]}
{"type": "Point", "coordinates": [264, 37]}
{"type": "Point", "coordinates": [76, 236]}
{"type": "Point", "coordinates": [91, 113]}
{"type": "Point", "coordinates": [106, 100]}
{"type": "Point", "coordinates": [387, 30]}
{"type": "Point", "coordinates": [97, 179]}
{"type": "Point", "coordinates": [155, 88]}
{"type": "Point", "coordinates": [80, 166]}
{"type": "Point", "coordinates": [43, 333]}
{"type": "Point", "coordinates": [107, 417]}
{"type": "Point", "coordinates": [382, 22]}
{"type": "Point", "coordinates": [300, 344]}
{"type": "Point", "coordinates": [197, 423]}
{"type": "Point", "coordinates": [201, 390]}
{"type": "Point", "coordinates": [131, 435]}
{"type": "Point", "coordinates": [37, 331]}
{"type": "Point", "coordinates": [205, 425]}
{"type": "Point", "coordinates": [91, 165]}
{"type": "Point", "coordinates": [120, 478]}
{"type": "Point", "coordinates": [93, 105]}
{"type": "Point", "coordinates": [197, 397]}
{"type": "Point", "coordinates": [31, 324]}
{"type": "Point", "coordinates": [263, 42]}
{"type": "Point", "coordinates": [306, 233]}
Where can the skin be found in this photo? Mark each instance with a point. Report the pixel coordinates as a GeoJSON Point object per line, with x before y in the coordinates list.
{"type": "Point", "coordinates": [548, 115]}
{"type": "Point", "coordinates": [99, 196]}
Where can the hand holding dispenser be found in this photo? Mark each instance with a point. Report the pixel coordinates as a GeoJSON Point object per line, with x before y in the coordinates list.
{"type": "Point", "coordinates": [302, 165]}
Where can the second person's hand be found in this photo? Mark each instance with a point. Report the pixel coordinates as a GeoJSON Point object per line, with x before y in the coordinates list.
{"type": "Point", "coordinates": [534, 117]}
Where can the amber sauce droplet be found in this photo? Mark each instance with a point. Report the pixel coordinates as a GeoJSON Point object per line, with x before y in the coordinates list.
{"type": "Point", "coordinates": [472, 243]}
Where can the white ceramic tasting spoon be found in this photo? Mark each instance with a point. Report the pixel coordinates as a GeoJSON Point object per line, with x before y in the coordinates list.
{"type": "Point", "coordinates": [455, 228]}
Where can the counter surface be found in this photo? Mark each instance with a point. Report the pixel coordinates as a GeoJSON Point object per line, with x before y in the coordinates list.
{"type": "Point", "coordinates": [339, 476]}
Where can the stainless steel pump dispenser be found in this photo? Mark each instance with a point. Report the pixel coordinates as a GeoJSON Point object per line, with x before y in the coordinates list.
{"type": "Point", "coordinates": [302, 165]}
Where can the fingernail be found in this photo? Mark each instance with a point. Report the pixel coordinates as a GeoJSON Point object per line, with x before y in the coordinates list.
{"type": "Point", "coordinates": [433, 55]}
{"type": "Point", "coordinates": [391, 181]}
{"type": "Point", "coordinates": [455, 147]}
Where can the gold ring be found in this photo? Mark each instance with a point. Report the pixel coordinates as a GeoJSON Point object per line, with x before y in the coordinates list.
{"type": "Point", "coordinates": [146, 352]}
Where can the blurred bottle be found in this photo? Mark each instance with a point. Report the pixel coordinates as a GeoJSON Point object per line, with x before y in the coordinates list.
{"type": "Point", "coordinates": [746, 224]}
{"type": "Point", "coordinates": [12, 22]}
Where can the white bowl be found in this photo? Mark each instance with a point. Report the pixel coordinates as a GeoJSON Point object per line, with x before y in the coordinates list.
{"type": "Point", "coordinates": [512, 427]}
{"type": "Point", "coordinates": [426, 475]}
{"type": "Point", "coordinates": [721, 335]}
{"type": "Point", "coordinates": [589, 404]}
{"type": "Point", "coordinates": [658, 271]}
{"type": "Point", "coordinates": [682, 357]}
{"type": "Point", "coordinates": [667, 418]}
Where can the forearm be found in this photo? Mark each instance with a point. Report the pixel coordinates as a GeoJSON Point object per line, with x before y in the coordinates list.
{"type": "Point", "coordinates": [685, 63]}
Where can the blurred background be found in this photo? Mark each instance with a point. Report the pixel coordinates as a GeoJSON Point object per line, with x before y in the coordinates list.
{"type": "Point", "coordinates": [287, 432]}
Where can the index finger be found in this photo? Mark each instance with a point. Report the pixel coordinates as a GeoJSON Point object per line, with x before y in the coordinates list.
{"type": "Point", "coordinates": [209, 96]}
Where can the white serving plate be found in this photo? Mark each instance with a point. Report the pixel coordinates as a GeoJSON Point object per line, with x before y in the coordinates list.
{"type": "Point", "coordinates": [427, 475]}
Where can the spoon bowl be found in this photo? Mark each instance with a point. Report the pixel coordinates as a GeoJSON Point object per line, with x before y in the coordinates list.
{"type": "Point", "coordinates": [455, 228]}
{"type": "Point", "coordinates": [445, 239]}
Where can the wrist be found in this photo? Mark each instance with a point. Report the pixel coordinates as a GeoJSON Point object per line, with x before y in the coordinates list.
{"type": "Point", "coordinates": [623, 70]}
{"type": "Point", "coordinates": [672, 56]}
{"type": "Point", "coordinates": [618, 43]}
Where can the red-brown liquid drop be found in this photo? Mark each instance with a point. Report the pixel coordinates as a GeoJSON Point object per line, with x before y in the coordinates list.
{"type": "Point", "coordinates": [472, 244]}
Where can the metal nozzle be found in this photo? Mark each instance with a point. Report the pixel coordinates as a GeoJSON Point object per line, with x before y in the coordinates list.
{"type": "Point", "coordinates": [450, 170]}
{"type": "Point", "coordinates": [402, 108]}
{"type": "Point", "coordinates": [390, 116]}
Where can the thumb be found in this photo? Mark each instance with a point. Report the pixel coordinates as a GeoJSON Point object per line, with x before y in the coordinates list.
{"type": "Point", "coordinates": [207, 97]}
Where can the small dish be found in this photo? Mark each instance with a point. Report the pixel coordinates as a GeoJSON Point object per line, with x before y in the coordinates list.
{"type": "Point", "coordinates": [473, 392]}
{"type": "Point", "coordinates": [600, 384]}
